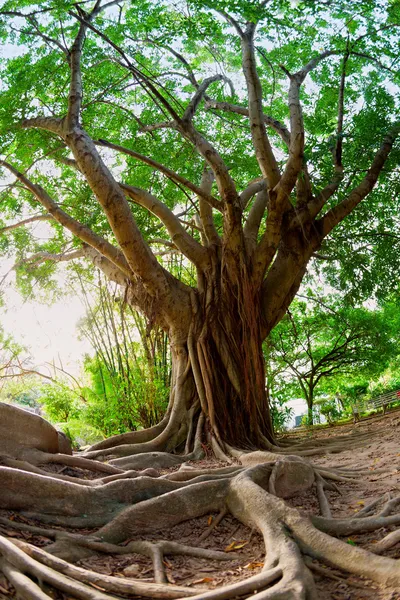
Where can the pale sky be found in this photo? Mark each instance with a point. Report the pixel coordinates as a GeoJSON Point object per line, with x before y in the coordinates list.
{"type": "Point", "coordinates": [49, 332]}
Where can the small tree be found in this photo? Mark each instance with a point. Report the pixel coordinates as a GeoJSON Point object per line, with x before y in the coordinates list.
{"type": "Point", "coordinates": [316, 342]}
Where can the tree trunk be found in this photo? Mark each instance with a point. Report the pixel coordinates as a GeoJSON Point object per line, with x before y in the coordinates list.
{"type": "Point", "coordinates": [225, 360]}
{"type": "Point", "coordinates": [310, 417]}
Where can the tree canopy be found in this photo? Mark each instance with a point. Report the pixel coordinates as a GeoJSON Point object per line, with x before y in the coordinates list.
{"type": "Point", "coordinates": [323, 341]}
{"type": "Point", "coordinates": [252, 138]}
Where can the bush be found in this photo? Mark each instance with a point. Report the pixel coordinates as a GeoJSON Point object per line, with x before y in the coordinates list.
{"type": "Point", "coordinates": [80, 433]}
{"type": "Point", "coordinates": [60, 403]}
{"type": "Point", "coordinates": [280, 413]}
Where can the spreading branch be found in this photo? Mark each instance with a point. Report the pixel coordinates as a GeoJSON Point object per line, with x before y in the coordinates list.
{"type": "Point", "coordinates": [165, 170]}
{"type": "Point", "coordinates": [34, 219]}
{"type": "Point", "coordinates": [81, 231]}
{"type": "Point", "coordinates": [346, 206]}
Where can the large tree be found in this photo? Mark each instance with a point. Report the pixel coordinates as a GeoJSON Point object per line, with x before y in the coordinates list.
{"type": "Point", "coordinates": [266, 123]}
{"type": "Point", "coordinates": [250, 131]}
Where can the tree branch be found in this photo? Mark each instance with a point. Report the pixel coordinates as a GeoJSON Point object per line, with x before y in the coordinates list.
{"type": "Point", "coordinates": [346, 206]}
{"type": "Point", "coordinates": [26, 222]}
{"type": "Point", "coordinates": [39, 257]}
{"type": "Point", "coordinates": [199, 95]}
{"type": "Point", "coordinates": [81, 231]}
{"type": "Point", "coordinates": [252, 189]}
{"type": "Point", "coordinates": [206, 215]}
{"type": "Point", "coordinates": [182, 240]}
{"type": "Point", "coordinates": [274, 124]}
{"type": "Point", "coordinates": [254, 219]}
{"type": "Point", "coordinates": [265, 156]}
{"type": "Point", "coordinates": [165, 170]}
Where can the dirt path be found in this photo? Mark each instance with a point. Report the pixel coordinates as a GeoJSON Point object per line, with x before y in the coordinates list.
{"type": "Point", "coordinates": [246, 547]}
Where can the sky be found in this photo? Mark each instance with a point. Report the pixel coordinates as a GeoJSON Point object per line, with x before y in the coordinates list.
{"type": "Point", "coordinates": [48, 332]}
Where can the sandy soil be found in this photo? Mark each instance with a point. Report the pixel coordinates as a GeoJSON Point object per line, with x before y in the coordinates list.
{"type": "Point", "coordinates": [246, 547]}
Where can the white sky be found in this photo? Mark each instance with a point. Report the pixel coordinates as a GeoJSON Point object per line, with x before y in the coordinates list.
{"type": "Point", "coordinates": [48, 332]}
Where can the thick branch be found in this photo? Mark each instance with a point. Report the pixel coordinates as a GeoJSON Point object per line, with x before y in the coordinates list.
{"type": "Point", "coordinates": [265, 156]}
{"type": "Point", "coordinates": [81, 231]}
{"type": "Point", "coordinates": [180, 237]}
{"type": "Point", "coordinates": [252, 189]}
{"type": "Point", "coordinates": [206, 214]}
{"type": "Point", "coordinates": [199, 95]}
{"type": "Point", "coordinates": [254, 219]}
{"type": "Point", "coordinates": [344, 208]}
{"type": "Point", "coordinates": [166, 171]}
{"type": "Point", "coordinates": [52, 124]}
{"type": "Point", "coordinates": [75, 90]}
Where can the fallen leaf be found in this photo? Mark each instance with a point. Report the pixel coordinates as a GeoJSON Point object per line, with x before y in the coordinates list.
{"type": "Point", "coordinates": [210, 520]}
{"type": "Point", "coordinates": [167, 563]}
{"type": "Point", "coordinates": [361, 502]}
{"type": "Point", "coordinates": [253, 565]}
{"type": "Point", "coordinates": [235, 546]}
{"type": "Point", "coordinates": [204, 580]}
{"type": "Point", "coordinates": [351, 542]}
{"type": "Point", "coordinates": [170, 578]}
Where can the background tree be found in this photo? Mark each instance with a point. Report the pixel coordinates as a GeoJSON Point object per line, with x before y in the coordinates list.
{"type": "Point", "coordinates": [322, 340]}
{"type": "Point", "coordinates": [130, 371]}
{"type": "Point", "coordinates": [150, 143]}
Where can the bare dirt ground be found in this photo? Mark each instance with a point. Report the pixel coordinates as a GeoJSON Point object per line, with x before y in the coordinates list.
{"type": "Point", "coordinates": [245, 547]}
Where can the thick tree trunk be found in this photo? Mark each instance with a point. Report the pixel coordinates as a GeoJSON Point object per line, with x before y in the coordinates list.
{"type": "Point", "coordinates": [225, 360]}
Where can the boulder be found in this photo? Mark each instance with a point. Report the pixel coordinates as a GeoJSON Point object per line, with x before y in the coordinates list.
{"type": "Point", "coordinates": [292, 476]}
{"type": "Point", "coordinates": [21, 430]}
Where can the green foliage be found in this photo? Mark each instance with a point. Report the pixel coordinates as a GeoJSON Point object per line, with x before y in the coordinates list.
{"type": "Point", "coordinates": [328, 408]}
{"type": "Point", "coordinates": [281, 414]}
{"type": "Point", "coordinates": [130, 371]}
{"type": "Point", "coordinates": [116, 107]}
{"type": "Point", "coordinates": [80, 433]}
{"type": "Point", "coordinates": [116, 403]}
{"type": "Point", "coordinates": [323, 347]}
{"type": "Point", "coordinates": [59, 403]}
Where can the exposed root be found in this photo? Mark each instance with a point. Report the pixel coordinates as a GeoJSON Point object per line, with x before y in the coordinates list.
{"type": "Point", "coordinates": [322, 499]}
{"type": "Point", "coordinates": [75, 580]}
{"type": "Point", "coordinates": [24, 586]}
{"type": "Point", "coordinates": [326, 573]}
{"type": "Point", "coordinates": [127, 504]}
{"type": "Point", "coordinates": [387, 542]}
{"type": "Point", "coordinates": [214, 523]}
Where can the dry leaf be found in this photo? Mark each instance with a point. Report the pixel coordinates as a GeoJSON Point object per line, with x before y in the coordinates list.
{"type": "Point", "coordinates": [361, 502]}
{"type": "Point", "coordinates": [210, 520]}
{"type": "Point", "coordinates": [204, 580]}
{"type": "Point", "coordinates": [253, 565]}
{"type": "Point", "coordinates": [235, 546]}
{"type": "Point", "coordinates": [170, 578]}
{"type": "Point", "coordinates": [167, 563]}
